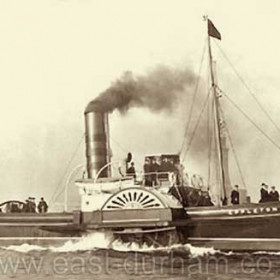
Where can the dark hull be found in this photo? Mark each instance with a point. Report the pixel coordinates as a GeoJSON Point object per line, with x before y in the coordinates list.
{"type": "Point", "coordinates": [32, 228]}
{"type": "Point", "coordinates": [246, 227]}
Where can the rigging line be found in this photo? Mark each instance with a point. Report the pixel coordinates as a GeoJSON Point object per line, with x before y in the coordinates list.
{"type": "Point", "coordinates": [54, 196]}
{"type": "Point", "coordinates": [61, 191]}
{"type": "Point", "coordinates": [119, 145]}
{"type": "Point", "coordinates": [197, 124]}
{"type": "Point", "coordinates": [248, 88]}
{"type": "Point", "coordinates": [233, 150]}
{"type": "Point", "coordinates": [66, 169]}
{"type": "Point", "coordinates": [251, 121]}
{"type": "Point", "coordinates": [194, 98]}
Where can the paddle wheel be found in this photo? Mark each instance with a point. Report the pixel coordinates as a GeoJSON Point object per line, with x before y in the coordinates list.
{"type": "Point", "coordinates": [157, 237]}
{"type": "Point", "coordinates": [146, 215]}
{"type": "Point", "coordinates": [133, 198]}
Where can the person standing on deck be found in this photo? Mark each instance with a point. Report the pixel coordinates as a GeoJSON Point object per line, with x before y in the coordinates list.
{"type": "Point", "coordinates": [123, 165]}
{"type": "Point", "coordinates": [147, 173]}
{"type": "Point", "coordinates": [131, 171]}
{"type": "Point", "coordinates": [42, 206]}
{"type": "Point", "coordinates": [264, 193]}
{"type": "Point", "coordinates": [274, 195]}
{"type": "Point", "coordinates": [32, 205]}
{"type": "Point", "coordinates": [235, 195]}
{"type": "Point", "coordinates": [27, 206]}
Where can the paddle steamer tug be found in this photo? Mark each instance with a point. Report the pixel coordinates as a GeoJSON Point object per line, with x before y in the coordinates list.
{"type": "Point", "coordinates": [159, 215]}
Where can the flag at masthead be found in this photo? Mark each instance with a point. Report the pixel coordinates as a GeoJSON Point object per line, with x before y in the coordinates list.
{"type": "Point", "coordinates": [213, 31]}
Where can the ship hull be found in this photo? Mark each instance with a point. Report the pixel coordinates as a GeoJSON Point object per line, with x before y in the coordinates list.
{"type": "Point", "coordinates": [251, 227]}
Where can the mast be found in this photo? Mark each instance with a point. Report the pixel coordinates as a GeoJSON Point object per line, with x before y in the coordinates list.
{"type": "Point", "coordinates": [217, 122]}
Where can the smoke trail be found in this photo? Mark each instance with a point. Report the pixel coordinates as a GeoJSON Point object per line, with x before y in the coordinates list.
{"type": "Point", "coordinates": [159, 90]}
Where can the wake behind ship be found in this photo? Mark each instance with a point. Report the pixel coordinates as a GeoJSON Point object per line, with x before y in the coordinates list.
{"type": "Point", "coordinates": [158, 207]}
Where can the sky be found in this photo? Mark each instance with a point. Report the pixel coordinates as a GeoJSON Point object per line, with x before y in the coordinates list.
{"type": "Point", "coordinates": [58, 55]}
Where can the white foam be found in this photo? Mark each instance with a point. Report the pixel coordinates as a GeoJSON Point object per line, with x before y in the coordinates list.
{"type": "Point", "coordinates": [24, 248]}
{"type": "Point", "coordinates": [92, 241]}
{"type": "Point", "coordinates": [104, 240]}
{"type": "Point", "coordinates": [201, 251]}
{"type": "Point", "coordinates": [117, 245]}
{"type": "Point", "coordinates": [187, 248]}
{"type": "Point", "coordinates": [101, 240]}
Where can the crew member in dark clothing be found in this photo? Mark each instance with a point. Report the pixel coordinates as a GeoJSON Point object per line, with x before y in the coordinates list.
{"type": "Point", "coordinates": [235, 195]}
{"type": "Point", "coordinates": [27, 206]}
{"type": "Point", "coordinates": [147, 171]}
{"type": "Point", "coordinates": [131, 171]}
{"type": "Point", "coordinates": [264, 193]}
{"type": "Point", "coordinates": [273, 195]}
{"type": "Point", "coordinates": [165, 168]}
{"type": "Point", "coordinates": [32, 204]}
{"type": "Point", "coordinates": [128, 160]}
{"type": "Point", "coordinates": [124, 165]}
{"type": "Point", "coordinates": [42, 206]}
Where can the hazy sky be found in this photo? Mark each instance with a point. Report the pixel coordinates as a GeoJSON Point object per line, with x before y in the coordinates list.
{"type": "Point", "coordinates": [57, 55]}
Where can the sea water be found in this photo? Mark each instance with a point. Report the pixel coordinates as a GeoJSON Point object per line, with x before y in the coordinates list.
{"type": "Point", "coordinates": [97, 256]}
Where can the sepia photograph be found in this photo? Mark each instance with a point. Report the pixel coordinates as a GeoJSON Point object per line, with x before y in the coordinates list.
{"type": "Point", "coordinates": [139, 139]}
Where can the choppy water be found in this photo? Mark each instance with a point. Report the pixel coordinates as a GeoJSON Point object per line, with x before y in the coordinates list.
{"type": "Point", "coordinates": [95, 257]}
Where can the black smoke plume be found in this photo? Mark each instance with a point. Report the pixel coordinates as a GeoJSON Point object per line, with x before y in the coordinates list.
{"type": "Point", "coordinates": [159, 90]}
